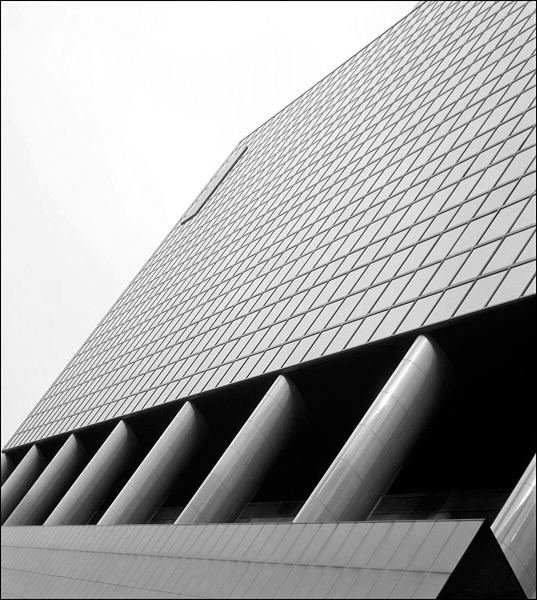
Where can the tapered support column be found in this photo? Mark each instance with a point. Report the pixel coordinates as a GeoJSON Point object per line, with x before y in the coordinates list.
{"type": "Point", "coordinates": [369, 461]}
{"type": "Point", "coordinates": [8, 467]}
{"type": "Point", "coordinates": [153, 480]}
{"type": "Point", "coordinates": [514, 529]}
{"type": "Point", "coordinates": [236, 477]}
{"type": "Point", "coordinates": [51, 485]}
{"type": "Point", "coordinates": [21, 480]}
{"type": "Point", "coordinates": [91, 487]}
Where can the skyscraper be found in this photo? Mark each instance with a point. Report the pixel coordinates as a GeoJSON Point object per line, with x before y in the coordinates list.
{"type": "Point", "coordinates": [320, 382]}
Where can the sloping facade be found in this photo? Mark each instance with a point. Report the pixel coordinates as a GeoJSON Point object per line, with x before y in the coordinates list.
{"type": "Point", "coordinates": [350, 296]}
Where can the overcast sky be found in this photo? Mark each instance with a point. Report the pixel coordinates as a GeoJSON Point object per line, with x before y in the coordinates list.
{"type": "Point", "coordinates": [114, 117]}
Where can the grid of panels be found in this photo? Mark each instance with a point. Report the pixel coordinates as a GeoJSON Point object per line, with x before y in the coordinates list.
{"type": "Point", "coordinates": [339, 560]}
{"type": "Point", "coordinates": [397, 192]}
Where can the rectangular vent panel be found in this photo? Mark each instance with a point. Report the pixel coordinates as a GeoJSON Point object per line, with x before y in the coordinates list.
{"type": "Point", "coordinates": [214, 182]}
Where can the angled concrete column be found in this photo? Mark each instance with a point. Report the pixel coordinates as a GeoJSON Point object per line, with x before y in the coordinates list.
{"type": "Point", "coordinates": [7, 467]}
{"type": "Point", "coordinates": [514, 529]}
{"type": "Point", "coordinates": [238, 474]}
{"type": "Point", "coordinates": [51, 485]}
{"type": "Point", "coordinates": [369, 461]}
{"type": "Point", "coordinates": [87, 493]}
{"type": "Point", "coordinates": [154, 478]}
{"type": "Point", "coordinates": [21, 480]}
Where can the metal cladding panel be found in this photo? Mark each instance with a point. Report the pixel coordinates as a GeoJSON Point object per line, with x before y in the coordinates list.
{"type": "Point", "coordinates": [396, 193]}
{"type": "Point", "coordinates": [514, 529]}
{"type": "Point", "coordinates": [358, 560]}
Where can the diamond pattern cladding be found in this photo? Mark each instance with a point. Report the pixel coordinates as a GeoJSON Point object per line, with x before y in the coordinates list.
{"type": "Point", "coordinates": [397, 192]}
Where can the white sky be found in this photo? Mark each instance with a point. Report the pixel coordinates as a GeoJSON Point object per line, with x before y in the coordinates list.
{"type": "Point", "coordinates": [114, 117]}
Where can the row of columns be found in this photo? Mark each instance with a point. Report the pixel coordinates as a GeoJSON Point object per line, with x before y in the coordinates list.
{"type": "Point", "coordinates": [70, 489]}
{"type": "Point", "coordinates": [117, 454]}
{"type": "Point", "coordinates": [67, 493]}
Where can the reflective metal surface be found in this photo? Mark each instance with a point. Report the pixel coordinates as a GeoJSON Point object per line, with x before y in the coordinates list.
{"type": "Point", "coordinates": [21, 480]}
{"type": "Point", "coordinates": [51, 485]}
{"type": "Point", "coordinates": [241, 469]}
{"type": "Point", "coordinates": [91, 487]}
{"type": "Point", "coordinates": [396, 192]}
{"type": "Point", "coordinates": [281, 560]}
{"type": "Point", "coordinates": [514, 529]}
{"type": "Point", "coordinates": [153, 479]}
{"type": "Point", "coordinates": [378, 447]}
{"type": "Point", "coordinates": [7, 468]}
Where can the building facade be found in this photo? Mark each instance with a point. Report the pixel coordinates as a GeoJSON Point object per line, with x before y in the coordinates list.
{"type": "Point", "coordinates": [320, 382]}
